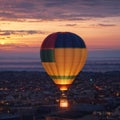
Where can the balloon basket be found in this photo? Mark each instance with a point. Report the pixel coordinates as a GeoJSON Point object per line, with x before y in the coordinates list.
{"type": "Point", "coordinates": [63, 102]}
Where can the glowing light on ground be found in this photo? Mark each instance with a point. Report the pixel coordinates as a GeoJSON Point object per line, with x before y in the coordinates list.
{"type": "Point", "coordinates": [64, 103]}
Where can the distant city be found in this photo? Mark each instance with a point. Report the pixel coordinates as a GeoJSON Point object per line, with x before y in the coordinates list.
{"type": "Point", "coordinates": [31, 95]}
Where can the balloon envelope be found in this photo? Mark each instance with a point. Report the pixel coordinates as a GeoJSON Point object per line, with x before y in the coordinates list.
{"type": "Point", "coordinates": [63, 55]}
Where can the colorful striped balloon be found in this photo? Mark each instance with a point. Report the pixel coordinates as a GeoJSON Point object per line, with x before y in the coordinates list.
{"type": "Point", "coordinates": [63, 55]}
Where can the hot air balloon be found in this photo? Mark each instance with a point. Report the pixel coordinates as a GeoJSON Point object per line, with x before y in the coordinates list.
{"type": "Point", "coordinates": [63, 55]}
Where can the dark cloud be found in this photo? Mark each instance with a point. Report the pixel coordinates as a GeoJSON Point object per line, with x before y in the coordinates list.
{"type": "Point", "coordinates": [79, 18]}
{"type": "Point", "coordinates": [19, 32]}
{"type": "Point", "coordinates": [58, 3]}
{"type": "Point", "coordinates": [13, 46]}
{"type": "Point", "coordinates": [7, 14]}
{"type": "Point", "coordinates": [5, 33]}
{"type": "Point", "coordinates": [70, 25]}
{"type": "Point", "coordinates": [58, 9]}
{"type": "Point", "coordinates": [8, 46]}
{"type": "Point", "coordinates": [106, 25]}
{"type": "Point", "coordinates": [103, 25]}
{"type": "Point", "coordinates": [25, 5]}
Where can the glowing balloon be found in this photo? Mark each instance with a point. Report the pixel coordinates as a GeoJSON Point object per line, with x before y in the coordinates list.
{"type": "Point", "coordinates": [63, 55]}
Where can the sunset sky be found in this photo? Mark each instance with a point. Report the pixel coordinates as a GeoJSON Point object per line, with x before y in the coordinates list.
{"type": "Point", "coordinates": [25, 23]}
